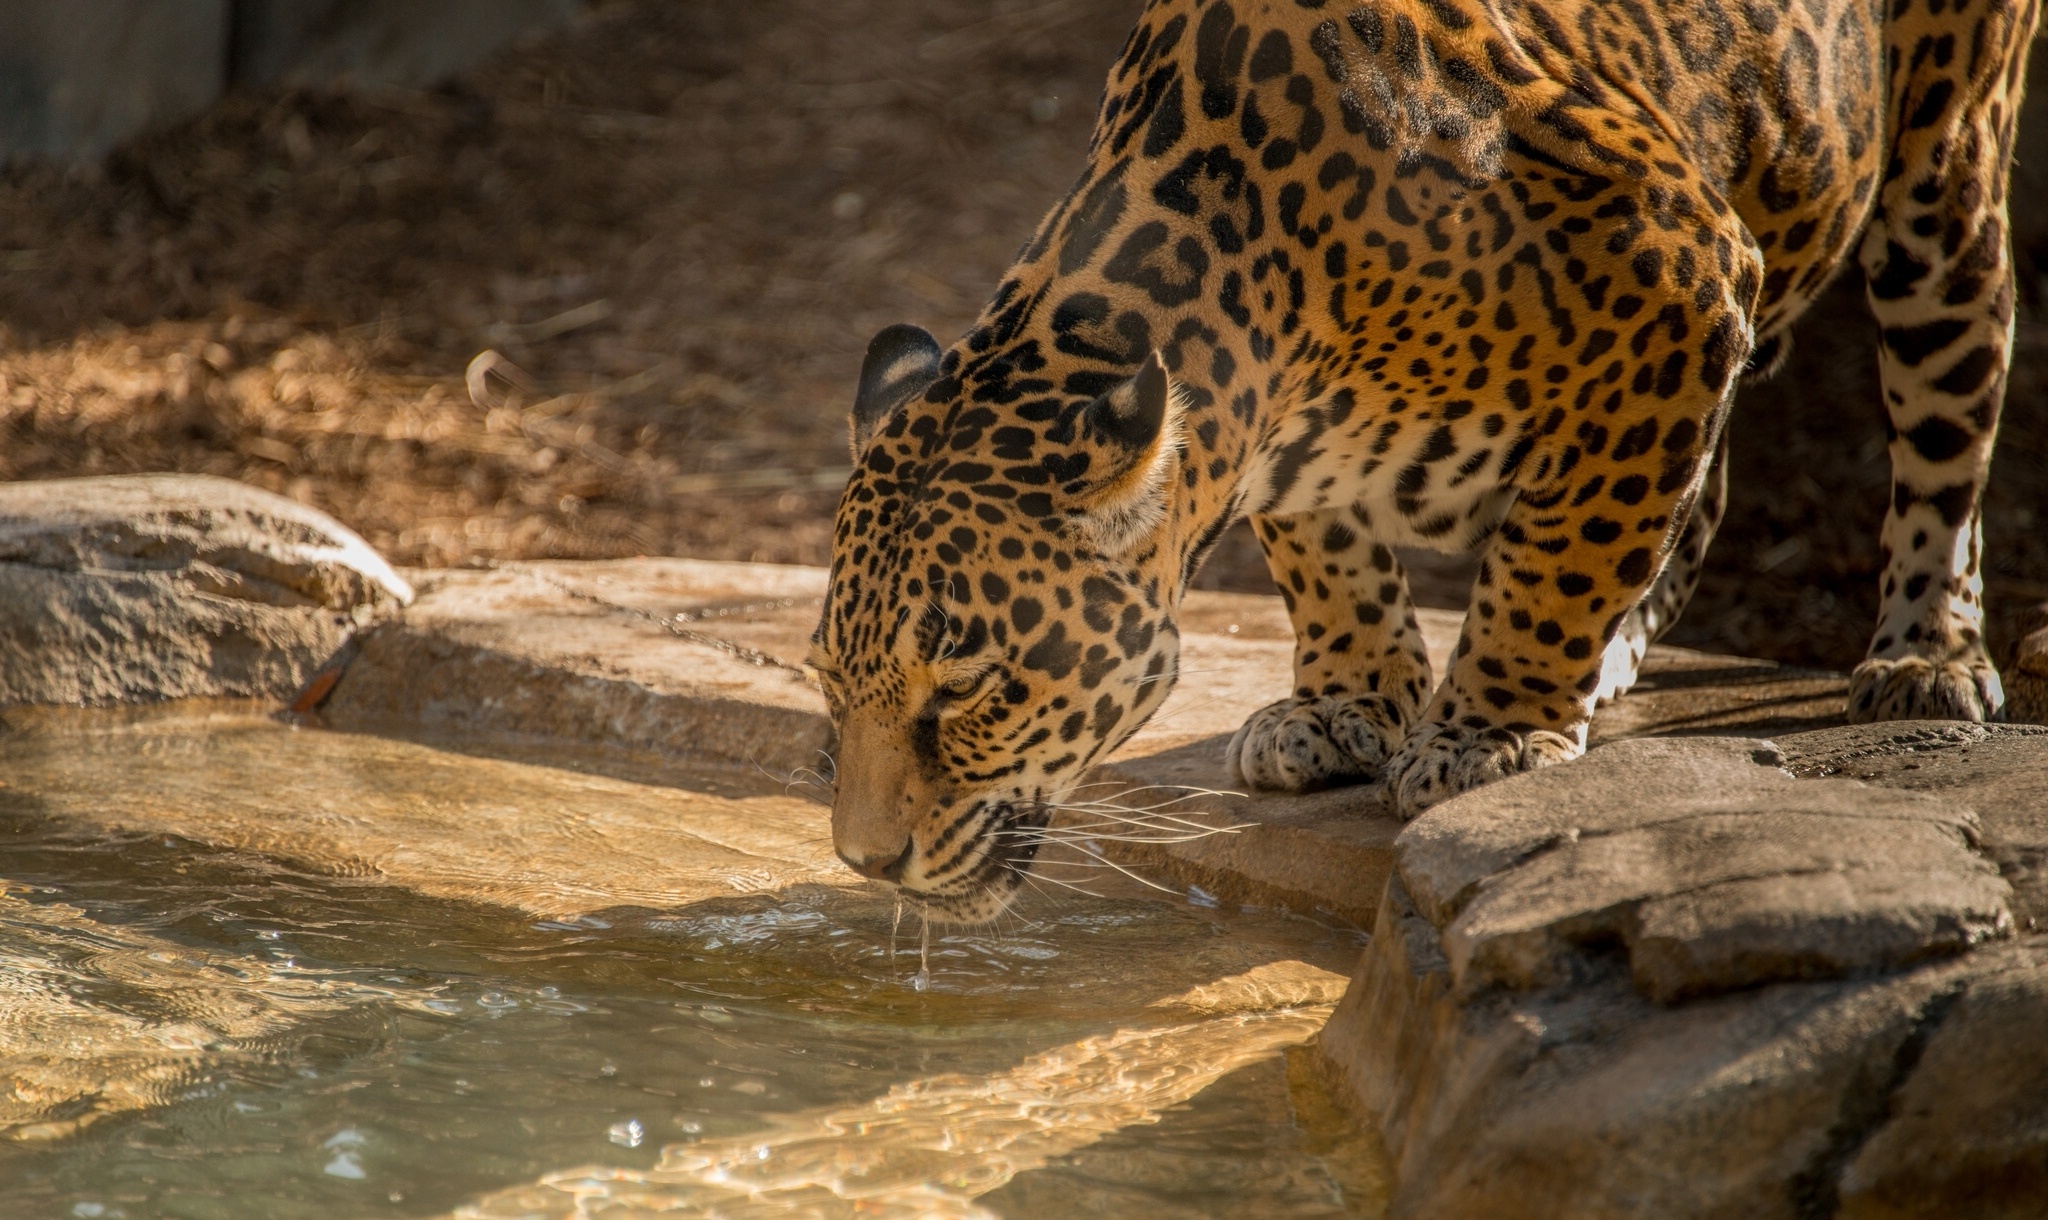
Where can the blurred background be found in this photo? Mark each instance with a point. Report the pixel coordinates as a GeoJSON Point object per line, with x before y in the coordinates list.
{"type": "Point", "coordinates": [265, 238]}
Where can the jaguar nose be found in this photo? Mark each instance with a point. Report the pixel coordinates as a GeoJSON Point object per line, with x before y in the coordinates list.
{"type": "Point", "coordinates": [882, 868]}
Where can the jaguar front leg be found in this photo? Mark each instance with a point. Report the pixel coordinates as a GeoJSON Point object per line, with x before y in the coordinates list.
{"type": "Point", "coordinates": [1566, 569]}
{"type": "Point", "coordinates": [1360, 672]}
{"type": "Point", "coordinates": [1666, 600]}
{"type": "Point", "coordinates": [1601, 502]}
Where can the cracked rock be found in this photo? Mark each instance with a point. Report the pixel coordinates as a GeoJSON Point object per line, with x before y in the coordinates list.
{"type": "Point", "coordinates": [1968, 1129]}
{"type": "Point", "coordinates": [165, 586]}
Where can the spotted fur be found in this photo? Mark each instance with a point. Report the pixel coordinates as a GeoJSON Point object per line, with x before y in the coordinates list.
{"type": "Point", "coordinates": [1456, 273]}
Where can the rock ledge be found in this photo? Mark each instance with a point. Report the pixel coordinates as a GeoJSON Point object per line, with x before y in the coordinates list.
{"type": "Point", "coordinates": [168, 586]}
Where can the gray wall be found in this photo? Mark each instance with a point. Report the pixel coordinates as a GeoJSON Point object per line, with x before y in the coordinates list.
{"type": "Point", "coordinates": [76, 78]}
{"type": "Point", "coordinates": [398, 42]}
{"type": "Point", "coordinates": [79, 76]}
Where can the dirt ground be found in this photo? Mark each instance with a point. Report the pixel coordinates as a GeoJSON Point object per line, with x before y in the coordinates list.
{"type": "Point", "coordinates": [679, 223]}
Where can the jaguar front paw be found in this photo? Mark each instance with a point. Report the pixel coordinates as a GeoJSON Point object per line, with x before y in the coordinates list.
{"type": "Point", "coordinates": [1439, 761]}
{"type": "Point", "coordinates": [1962, 687]}
{"type": "Point", "coordinates": [1304, 744]}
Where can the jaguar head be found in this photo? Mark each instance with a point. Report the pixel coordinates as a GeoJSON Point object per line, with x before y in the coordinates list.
{"type": "Point", "coordinates": [1001, 612]}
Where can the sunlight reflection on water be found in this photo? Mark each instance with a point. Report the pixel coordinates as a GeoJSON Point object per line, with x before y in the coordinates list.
{"type": "Point", "coordinates": [247, 971]}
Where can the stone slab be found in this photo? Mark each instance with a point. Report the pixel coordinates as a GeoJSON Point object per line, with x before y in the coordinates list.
{"type": "Point", "coordinates": [174, 586]}
{"type": "Point", "coordinates": [688, 658]}
{"type": "Point", "coordinates": [1999, 770]}
{"type": "Point", "coordinates": [1715, 977]}
{"type": "Point", "coordinates": [515, 652]}
{"type": "Point", "coordinates": [1715, 868]}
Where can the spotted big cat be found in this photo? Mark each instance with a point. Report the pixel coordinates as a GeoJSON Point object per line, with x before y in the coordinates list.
{"type": "Point", "coordinates": [1466, 274]}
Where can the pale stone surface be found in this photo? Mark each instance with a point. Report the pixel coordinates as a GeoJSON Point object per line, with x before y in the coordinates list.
{"type": "Point", "coordinates": [524, 651]}
{"type": "Point", "coordinates": [546, 840]}
{"type": "Point", "coordinates": [168, 586]}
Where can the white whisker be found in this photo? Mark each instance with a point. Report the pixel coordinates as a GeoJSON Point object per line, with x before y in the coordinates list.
{"type": "Point", "coordinates": [1066, 884]}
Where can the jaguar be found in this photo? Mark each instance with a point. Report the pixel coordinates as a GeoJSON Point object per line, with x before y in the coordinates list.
{"type": "Point", "coordinates": [1462, 274]}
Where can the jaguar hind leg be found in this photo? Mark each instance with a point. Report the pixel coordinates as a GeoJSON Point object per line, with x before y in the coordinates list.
{"type": "Point", "coordinates": [1360, 672]}
{"type": "Point", "coordinates": [1940, 281]}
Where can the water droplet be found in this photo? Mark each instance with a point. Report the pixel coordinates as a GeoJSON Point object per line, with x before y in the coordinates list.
{"type": "Point", "coordinates": [346, 1162]}
{"type": "Point", "coordinates": [609, 1069]}
{"type": "Point", "coordinates": [627, 1134]}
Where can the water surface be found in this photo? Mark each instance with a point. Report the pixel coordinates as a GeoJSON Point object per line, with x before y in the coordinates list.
{"type": "Point", "coordinates": [254, 971]}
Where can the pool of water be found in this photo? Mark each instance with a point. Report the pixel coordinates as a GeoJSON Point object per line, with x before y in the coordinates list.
{"type": "Point", "coordinates": [251, 970]}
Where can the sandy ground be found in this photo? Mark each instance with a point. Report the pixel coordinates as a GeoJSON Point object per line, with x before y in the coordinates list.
{"type": "Point", "coordinates": [680, 223]}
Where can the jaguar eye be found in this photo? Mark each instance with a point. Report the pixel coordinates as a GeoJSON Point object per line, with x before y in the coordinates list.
{"type": "Point", "coordinates": [962, 686]}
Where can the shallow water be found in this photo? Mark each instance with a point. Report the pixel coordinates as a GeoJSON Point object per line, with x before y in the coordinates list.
{"type": "Point", "coordinates": [248, 970]}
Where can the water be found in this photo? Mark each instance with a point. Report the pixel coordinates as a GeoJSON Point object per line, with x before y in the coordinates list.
{"type": "Point", "coordinates": [252, 971]}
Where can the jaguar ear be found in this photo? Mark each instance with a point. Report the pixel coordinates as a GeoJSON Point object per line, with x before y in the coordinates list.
{"type": "Point", "coordinates": [902, 362]}
{"type": "Point", "coordinates": [1132, 436]}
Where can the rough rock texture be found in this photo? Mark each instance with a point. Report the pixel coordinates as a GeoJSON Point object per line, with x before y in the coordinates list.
{"type": "Point", "coordinates": [167, 586]}
{"type": "Point", "coordinates": [1714, 868]}
{"type": "Point", "coordinates": [1999, 770]}
{"type": "Point", "coordinates": [1674, 979]}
